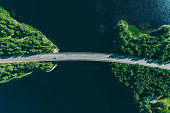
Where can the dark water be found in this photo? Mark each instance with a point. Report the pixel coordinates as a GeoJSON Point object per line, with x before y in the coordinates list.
{"type": "Point", "coordinates": [144, 14]}
{"type": "Point", "coordinates": [73, 87]}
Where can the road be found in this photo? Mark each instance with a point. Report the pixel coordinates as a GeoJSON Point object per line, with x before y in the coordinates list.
{"type": "Point", "coordinates": [85, 56]}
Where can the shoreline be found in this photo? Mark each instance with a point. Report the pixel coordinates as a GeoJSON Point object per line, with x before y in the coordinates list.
{"type": "Point", "coordinates": [21, 76]}
{"type": "Point", "coordinates": [52, 68]}
{"type": "Point", "coordinates": [55, 51]}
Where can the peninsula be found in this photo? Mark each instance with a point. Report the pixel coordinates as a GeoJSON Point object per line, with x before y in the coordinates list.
{"type": "Point", "coordinates": [149, 87]}
{"type": "Point", "coordinates": [18, 39]}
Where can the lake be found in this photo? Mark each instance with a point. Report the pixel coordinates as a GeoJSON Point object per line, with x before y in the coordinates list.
{"type": "Point", "coordinates": [76, 87]}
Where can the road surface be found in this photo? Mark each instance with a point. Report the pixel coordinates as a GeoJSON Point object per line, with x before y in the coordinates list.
{"type": "Point", "coordinates": [82, 56]}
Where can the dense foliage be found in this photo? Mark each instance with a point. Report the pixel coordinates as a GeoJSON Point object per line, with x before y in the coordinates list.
{"type": "Point", "coordinates": [128, 40]}
{"type": "Point", "coordinates": [144, 82]}
{"type": "Point", "coordinates": [20, 39]}
{"type": "Point", "coordinates": [18, 70]}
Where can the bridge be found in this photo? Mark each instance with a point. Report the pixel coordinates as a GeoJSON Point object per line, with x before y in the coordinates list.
{"type": "Point", "coordinates": [87, 56]}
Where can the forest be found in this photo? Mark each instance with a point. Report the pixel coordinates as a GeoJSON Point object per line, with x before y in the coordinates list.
{"type": "Point", "coordinates": [17, 39]}
{"type": "Point", "coordinates": [128, 40]}
{"type": "Point", "coordinates": [20, 39]}
{"type": "Point", "coordinates": [18, 70]}
{"type": "Point", "coordinates": [143, 83]}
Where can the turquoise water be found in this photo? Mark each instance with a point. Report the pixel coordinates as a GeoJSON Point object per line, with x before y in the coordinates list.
{"type": "Point", "coordinates": [75, 87]}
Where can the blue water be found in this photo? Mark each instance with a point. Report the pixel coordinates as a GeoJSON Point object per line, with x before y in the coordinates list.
{"type": "Point", "coordinates": [74, 87]}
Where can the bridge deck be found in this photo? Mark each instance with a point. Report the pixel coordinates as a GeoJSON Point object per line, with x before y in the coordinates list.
{"type": "Point", "coordinates": [78, 56]}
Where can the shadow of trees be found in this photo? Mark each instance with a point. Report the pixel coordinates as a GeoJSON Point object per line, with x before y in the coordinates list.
{"type": "Point", "coordinates": [133, 58]}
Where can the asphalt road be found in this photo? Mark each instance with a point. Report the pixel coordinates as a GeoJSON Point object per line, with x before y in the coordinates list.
{"type": "Point", "coordinates": [85, 56]}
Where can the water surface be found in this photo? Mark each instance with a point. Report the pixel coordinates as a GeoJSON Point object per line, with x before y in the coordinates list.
{"type": "Point", "coordinates": [74, 87]}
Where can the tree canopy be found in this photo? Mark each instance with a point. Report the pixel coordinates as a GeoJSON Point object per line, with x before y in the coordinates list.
{"type": "Point", "coordinates": [128, 40]}
{"type": "Point", "coordinates": [144, 82]}
{"type": "Point", "coordinates": [18, 39]}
